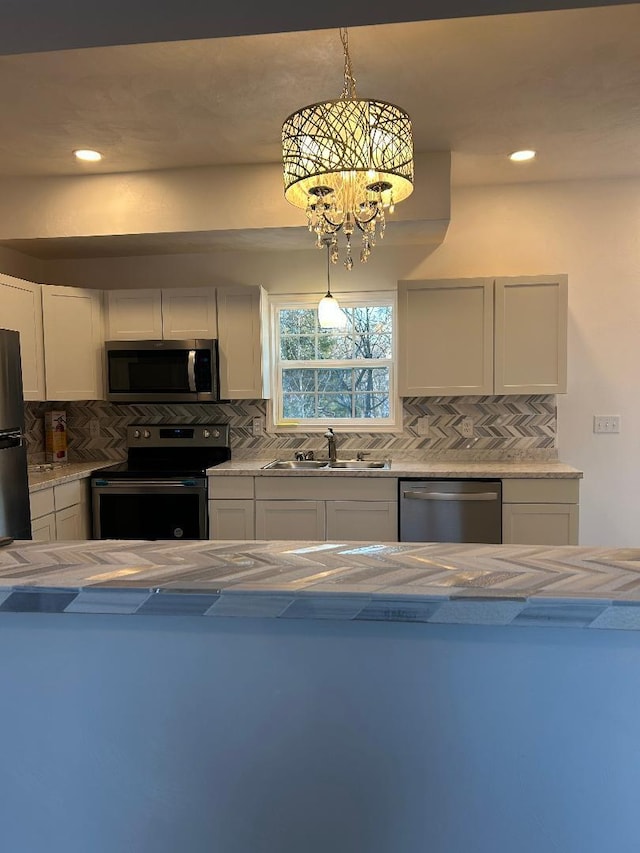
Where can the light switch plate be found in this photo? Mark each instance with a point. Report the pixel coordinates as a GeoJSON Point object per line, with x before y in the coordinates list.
{"type": "Point", "coordinates": [606, 423]}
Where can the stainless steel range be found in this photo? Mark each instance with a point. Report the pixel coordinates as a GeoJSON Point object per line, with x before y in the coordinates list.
{"type": "Point", "coordinates": [160, 492]}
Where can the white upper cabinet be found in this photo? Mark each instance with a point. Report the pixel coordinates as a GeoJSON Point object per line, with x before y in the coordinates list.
{"type": "Point", "coordinates": [73, 343]}
{"type": "Point", "coordinates": [531, 335]}
{"type": "Point", "coordinates": [21, 310]}
{"type": "Point", "coordinates": [189, 313]}
{"type": "Point", "coordinates": [483, 336]}
{"type": "Point", "coordinates": [242, 343]}
{"type": "Point", "coordinates": [134, 315]}
{"type": "Point", "coordinates": [167, 314]}
{"type": "Point", "coordinates": [445, 337]}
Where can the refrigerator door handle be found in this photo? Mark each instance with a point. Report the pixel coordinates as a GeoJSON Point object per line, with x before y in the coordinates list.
{"type": "Point", "coordinates": [14, 440]}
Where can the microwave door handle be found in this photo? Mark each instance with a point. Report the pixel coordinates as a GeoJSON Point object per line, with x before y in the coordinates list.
{"type": "Point", "coordinates": [191, 370]}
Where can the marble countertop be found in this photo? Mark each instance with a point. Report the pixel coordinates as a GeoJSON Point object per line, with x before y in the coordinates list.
{"type": "Point", "coordinates": [509, 585]}
{"type": "Point", "coordinates": [63, 473]}
{"type": "Point", "coordinates": [409, 468]}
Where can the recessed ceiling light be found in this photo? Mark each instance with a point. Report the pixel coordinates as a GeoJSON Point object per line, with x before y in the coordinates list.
{"type": "Point", "coordinates": [88, 154]}
{"type": "Point", "coordinates": [522, 156]}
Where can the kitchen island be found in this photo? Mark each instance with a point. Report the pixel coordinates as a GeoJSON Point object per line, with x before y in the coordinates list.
{"type": "Point", "coordinates": [288, 696]}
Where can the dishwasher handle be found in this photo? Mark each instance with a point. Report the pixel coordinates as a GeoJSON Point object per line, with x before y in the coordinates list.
{"type": "Point", "coordinates": [450, 496]}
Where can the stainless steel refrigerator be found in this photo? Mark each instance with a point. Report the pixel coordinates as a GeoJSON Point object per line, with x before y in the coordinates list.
{"type": "Point", "coordinates": [14, 486]}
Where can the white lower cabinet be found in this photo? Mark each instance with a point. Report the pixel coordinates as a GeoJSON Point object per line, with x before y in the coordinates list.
{"type": "Point", "coordinates": [353, 520]}
{"type": "Point", "coordinates": [540, 512]}
{"type": "Point", "coordinates": [290, 520]}
{"type": "Point", "coordinates": [43, 529]}
{"type": "Point", "coordinates": [311, 508]}
{"type": "Point", "coordinates": [231, 519]}
{"type": "Point", "coordinates": [61, 512]}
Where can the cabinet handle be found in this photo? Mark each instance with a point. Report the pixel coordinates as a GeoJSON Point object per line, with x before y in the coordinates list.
{"type": "Point", "coordinates": [451, 496]}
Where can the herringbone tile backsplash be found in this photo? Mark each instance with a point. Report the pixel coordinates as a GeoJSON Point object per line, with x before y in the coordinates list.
{"type": "Point", "coordinates": [508, 427]}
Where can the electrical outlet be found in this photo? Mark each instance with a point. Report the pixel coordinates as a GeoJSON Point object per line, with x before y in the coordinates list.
{"type": "Point", "coordinates": [94, 428]}
{"type": "Point", "coordinates": [257, 426]}
{"type": "Point", "coordinates": [466, 427]}
{"type": "Point", "coordinates": [422, 425]}
{"type": "Point", "coordinates": [606, 423]}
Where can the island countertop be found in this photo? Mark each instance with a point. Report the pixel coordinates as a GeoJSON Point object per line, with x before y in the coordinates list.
{"type": "Point", "coordinates": [517, 585]}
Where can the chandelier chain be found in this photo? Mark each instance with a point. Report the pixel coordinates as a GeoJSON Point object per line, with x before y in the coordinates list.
{"type": "Point", "coordinates": [349, 87]}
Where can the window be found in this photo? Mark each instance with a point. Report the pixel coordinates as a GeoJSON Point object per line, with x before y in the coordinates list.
{"type": "Point", "coordinates": [330, 376]}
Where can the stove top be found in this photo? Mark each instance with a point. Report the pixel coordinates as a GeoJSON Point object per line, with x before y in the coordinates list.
{"type": "Point", "coordinates": [171, 450]}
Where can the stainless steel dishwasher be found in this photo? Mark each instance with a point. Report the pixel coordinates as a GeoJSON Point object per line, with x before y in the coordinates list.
{"type": "Point", "coordinates": [450, 511]}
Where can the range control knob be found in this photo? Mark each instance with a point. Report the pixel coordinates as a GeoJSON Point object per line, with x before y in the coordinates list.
{"type": "Point", "coordinates": [136, 433]}
{"type": "Point", "coordinates": [216, 433]}
{"type": "Point", "coordinates": [206, 433]}
{"type": "Point", "coordinates": [146, 434]}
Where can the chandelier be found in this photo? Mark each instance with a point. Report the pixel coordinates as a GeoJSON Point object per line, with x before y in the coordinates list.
{"type": "Point", "coordinates": [346, 162]}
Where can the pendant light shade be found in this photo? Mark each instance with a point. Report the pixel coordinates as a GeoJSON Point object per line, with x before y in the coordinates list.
{"type": "Point", "coordinates": [330, 315]}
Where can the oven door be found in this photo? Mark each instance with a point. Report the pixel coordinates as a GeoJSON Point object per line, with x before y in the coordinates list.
{"type": "Point", "coordinates": [150, 509]}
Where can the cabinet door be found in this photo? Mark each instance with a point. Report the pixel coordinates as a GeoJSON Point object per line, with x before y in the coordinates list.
{"type": "Point", "coordinates": [290, 520]}
{"type": "Point", "coordinates": [189, 313]}
{"type": "Point", "coordinates": [370, 521]}
{"type": "Point", "coordinates": [531, 335]}
{"type": "Point", "coordinates": [21, 310]}
{"type": "Point", "coordinates": [243, 373]}
{"type": "Point", "coordinates": [43, 529]}
{"type": "Point", "coordinates": [230, 519]}
{"type": "Point", "coordinates": [69, 523]}
{"type": "Point", "coordinates": [445, 337]}
{"type": "Point", "coordinates": [73, 343]}
{"type": "Point", "coordinates": [134, 315]}
{"type": "Point", "coordinates": [539, 524]}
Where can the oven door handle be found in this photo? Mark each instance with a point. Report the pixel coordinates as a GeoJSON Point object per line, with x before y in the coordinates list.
{"type": "Point", "coordinates": [146, 484]}
{"type": "Point", "coordinates": [191, 370]}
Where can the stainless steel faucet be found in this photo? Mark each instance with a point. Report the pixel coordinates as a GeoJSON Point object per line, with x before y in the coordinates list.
{"type": "Point", "coordinates": [331, 442]}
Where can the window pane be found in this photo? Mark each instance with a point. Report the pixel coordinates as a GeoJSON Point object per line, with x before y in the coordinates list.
{"type": "Point", "coordinates": [372, 379]}
{"type": "Point", "coordinates": [334, 380]}
{"type": "Point", "coordinates": [298, 406]}
{"type": "Point", "coordinates": [303, 379]}
{"type": "Point", "coordinates": [302, 348]}
{"type": "Point", "coordinates": [373, 346]}
{"type": "Point", "coordinates": [334, 345]}
{"type": "Point", "coordinates": [371, 406]}
{"type": "Point", "coordinates": [298, 321]}
{"type": "Point", "coordinates": [334, 406]}
{"type": "Point", "coordinates": [373, 319]}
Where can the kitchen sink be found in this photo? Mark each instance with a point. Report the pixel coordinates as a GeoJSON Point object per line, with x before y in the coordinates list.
{"type": "Point", "coordinates": [358, 463]}
{"type": "Point", "coordinates": [295, 464]}
{"type": "Point", "coordinates": [322, 464]}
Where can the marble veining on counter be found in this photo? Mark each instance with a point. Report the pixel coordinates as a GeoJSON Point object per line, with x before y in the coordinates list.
{"type": "Point", "coordinates": [410, 468]}
{"type": "Point", "coordinates": [64, 473]}
{"type": "Point", "coordinates": [518, 585]}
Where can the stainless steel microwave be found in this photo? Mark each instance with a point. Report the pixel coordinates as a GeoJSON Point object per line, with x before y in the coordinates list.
{"type": "Point", "coordinates": [162, 371]}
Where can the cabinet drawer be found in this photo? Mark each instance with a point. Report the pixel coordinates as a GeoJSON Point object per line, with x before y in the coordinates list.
{"type": "Point", "coordinates": [231, 488]}
{"type": "Point", "coordinates": [326, 487]}
{"type": "Point", "coordinates": [540, 491]}
{"type": "Point", "coordinates": [41, 503]}
{"type": "Point", "coordinates": [67, 494]}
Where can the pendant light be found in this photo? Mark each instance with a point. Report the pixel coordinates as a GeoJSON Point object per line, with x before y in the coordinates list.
{"type": "Point", "coordinates": [347, 161]}
{"type": "Point", "coordinates": [330, 315]}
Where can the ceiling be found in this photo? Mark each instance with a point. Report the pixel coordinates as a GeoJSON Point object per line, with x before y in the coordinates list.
{"type": "Point", "coordinates": [564, 82]}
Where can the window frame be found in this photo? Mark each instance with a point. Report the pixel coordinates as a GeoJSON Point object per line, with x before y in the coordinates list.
{"type": "Point", "coordinates": [292, 301]}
